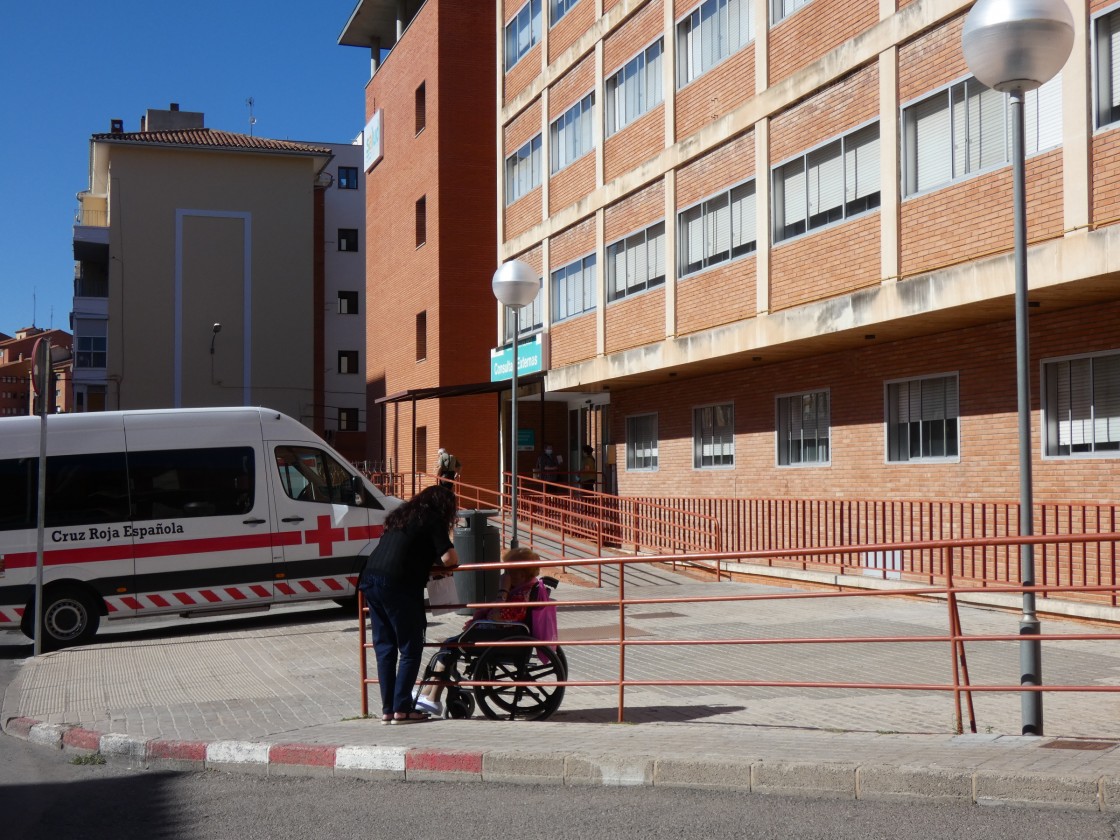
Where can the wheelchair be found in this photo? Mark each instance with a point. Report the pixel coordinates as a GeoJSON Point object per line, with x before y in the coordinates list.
{"type": "Point", "coordinates": [542, 667]}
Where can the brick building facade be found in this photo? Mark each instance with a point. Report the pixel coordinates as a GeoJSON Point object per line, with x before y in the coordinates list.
{"type": "Point", "coordinates": [776, 238]}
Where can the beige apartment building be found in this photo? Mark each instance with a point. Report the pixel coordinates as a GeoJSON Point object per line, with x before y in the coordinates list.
{"type": "Point", "coordinates": [776, 236]}
{"type": "Point", "coordinates": [196, 277]}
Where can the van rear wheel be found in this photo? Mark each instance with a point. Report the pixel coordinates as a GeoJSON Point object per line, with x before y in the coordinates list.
{"type": "Point", "coordinates": [70, 617]}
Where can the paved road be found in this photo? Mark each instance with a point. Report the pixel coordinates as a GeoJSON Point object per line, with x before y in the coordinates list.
{"type": "Point", "coordinates": [247, 693]}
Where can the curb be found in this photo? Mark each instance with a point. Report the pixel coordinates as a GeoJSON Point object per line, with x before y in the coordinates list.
{"type": "Point", "coordinates": [832, 780]}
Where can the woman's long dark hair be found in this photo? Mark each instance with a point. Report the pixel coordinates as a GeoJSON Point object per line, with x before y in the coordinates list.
{"type": "Point", "coordinates": [435, 504]}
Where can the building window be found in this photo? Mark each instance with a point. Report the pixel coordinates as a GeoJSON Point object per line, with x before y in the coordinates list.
{"type": "Point", "coordinates": [348, 419]}
{"type": "Point", "coordinates": [523, 170]}
{"type": "Point", "coordinates": [347, 177]}
{"type": "Point", "coordinates": [421, 336]}
{"type": "Point", "coordinates": [90, 343]}
{"type": "Point", "coordinates": [641, 442]}
{"type": "Point", "coordinates": [570, 134]}
{"type": "Point", "coordinates": [421, 220]}
{"type": "Point", "coordinates": [922, 419]}
{"type": "Point", "coordinates": [558, 8]}
{"type": "Point", "coordinates": [347, 303]}
{"type": "Point", "coordinates": [347, 361]}
{"type": "Point", "coordinates": [803, 429]}
{"type": "Point", "coordinates": [833, 182]}
{"type": "Point", "coordinates": [713, 436]}
{"type": "Point", "coordinates": [781, 9]}
{"type": "Point", "coordinates": [421, 107]}
{"type": "Point", "coordinates": [573, 289]}
{"type": "Point", "coordinates": [523, 32]}
{"type": "Point", "coordinates": [421, 449]}
{"type": "Point", "coordinates": [635, 88]}
{"type": "Point", "coordinates": [529, 319]}
{"type": "Point", "coordinates": [966, 128]}
{"type": "Point", "coordinates": [718, 229]}
{"type": "Point", "coordinates": [636, 263]}
{"type": "Point", "coordinates": [710, 33]}
{"type": "Point", "coordinates": [348, 239]}
{"type": "Point", "coordinates": [1081, 405]}
{"type": "Point", "coordinates": [1106, 35]}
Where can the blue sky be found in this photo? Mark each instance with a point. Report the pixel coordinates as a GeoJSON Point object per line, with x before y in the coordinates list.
{"type": "Point", "coordinates": [67, 68]}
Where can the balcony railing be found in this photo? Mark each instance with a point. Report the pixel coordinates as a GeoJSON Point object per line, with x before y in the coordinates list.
{"type": "Point", "coordinates": [91, 218]}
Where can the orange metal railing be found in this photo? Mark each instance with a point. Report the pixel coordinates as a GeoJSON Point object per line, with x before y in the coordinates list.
{"type": "Point", "coordinates": [954, 556]}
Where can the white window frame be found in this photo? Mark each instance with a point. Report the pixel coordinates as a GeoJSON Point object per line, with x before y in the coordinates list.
{"type": "Point", "coordinates": [529, 318]}
{"type": "Point", "coordinates": [1098, 427]}
{"type": "Point", "coordinates": [940, 126]}
{"type": "Point", "coordinates": [715, 229]}
{"type": "Point", "coordinates": [523, 170]}
{"type": "Point", "coordinates": [1106, 68]}
{"type": "Point", "coordinates": [635, 88]}
{"type": "Point", "coordinates": [710, 33]}
{"type": "Point", "coordinates": [892, 451]}
{"type": "Point", "coordinates": [833, 182]}
{"type": "Point", "coordinates": [571, 135]}
{"type": "Point", "coordinates": [789, 436]}
{"type": "Point", "coordinates": [713, 445]}
{"type": "Point", "coordinates": [522, 32]}
{"type": "Point", "coordinates": [557, 9]}
{"type": "Point", "coordinates": [643, 459]}
{"type": "Point", "coordinates": [782, 9]}
{"type": "Point", "coordinates": [641, 254]}
{"type": "Point", "coordinates": [573, 288]}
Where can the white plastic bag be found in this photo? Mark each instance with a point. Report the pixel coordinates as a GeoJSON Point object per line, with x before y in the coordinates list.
{"type": "Point", "coordinates": [441, 594]}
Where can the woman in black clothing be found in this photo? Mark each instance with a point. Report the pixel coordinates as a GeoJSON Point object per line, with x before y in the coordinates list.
{"type": "Point", "coordinates": [416, 543]}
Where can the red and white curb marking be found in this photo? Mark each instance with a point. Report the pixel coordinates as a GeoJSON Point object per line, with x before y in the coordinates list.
{"type": "Point", "coordinates": [250, 755]}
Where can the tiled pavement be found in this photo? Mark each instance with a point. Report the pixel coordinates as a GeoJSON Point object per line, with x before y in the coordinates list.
{"type": "Point", "coordinates": [281, 695]}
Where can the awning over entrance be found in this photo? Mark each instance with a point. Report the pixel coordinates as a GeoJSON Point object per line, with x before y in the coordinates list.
{"type": "Point", "coordinates": [467, 390]}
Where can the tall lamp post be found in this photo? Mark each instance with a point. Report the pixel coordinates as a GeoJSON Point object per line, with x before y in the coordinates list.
{"type": "Point", "coordinates": [1015, 46]}
{"type": "Point", "coordinates": [515, 285]}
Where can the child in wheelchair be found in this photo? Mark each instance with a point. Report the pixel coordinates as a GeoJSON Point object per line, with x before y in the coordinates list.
{"type": "Point", "coordinates": [516, 586]}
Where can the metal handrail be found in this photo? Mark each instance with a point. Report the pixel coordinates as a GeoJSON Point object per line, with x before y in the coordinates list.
{"type": "Point", "coordinates": [951, 551]}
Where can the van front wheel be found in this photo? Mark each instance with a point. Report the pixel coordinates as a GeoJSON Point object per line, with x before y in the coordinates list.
{"type": "Point", "coordinates": [70, 617]}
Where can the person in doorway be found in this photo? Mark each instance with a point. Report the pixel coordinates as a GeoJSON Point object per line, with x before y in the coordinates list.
{"type": "Point", "coordinates": [548, 469]}
{"type": "Point", "coordinates": [447, 468]}
{"type": "Point", "coordinates": [415, 546]}
{"type": "Point", "coordinates": [588, 470]}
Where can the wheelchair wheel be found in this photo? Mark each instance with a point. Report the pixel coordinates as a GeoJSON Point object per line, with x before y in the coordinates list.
{"type": "Point", "coordinates": [459, 704]}
{"type": "Point", "coordinates": [540, 667]}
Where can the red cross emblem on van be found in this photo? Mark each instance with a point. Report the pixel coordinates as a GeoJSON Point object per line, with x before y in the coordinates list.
{"type": "Point", "coordinates": [325, 536]}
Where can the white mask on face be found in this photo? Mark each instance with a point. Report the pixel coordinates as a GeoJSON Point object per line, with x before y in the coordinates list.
{"type": "Point", "coordinates": [548, 450]}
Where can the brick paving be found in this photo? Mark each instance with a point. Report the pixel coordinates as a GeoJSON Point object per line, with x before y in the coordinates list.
{"type": "Point", "coordinates": [295, 681]}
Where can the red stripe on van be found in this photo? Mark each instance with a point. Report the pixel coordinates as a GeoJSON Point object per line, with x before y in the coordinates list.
{"type": "Point", "coordinates": [309, 585]}
{"type": "Point", "coordinates": [184, 598]}
{"type": "Point", "coordinates": [333, 584]}
{"type": "Point", "coordinates": [131, 603]}
{"type": "Point", "coordinates": [159, 600]}
{"type": "Point", "coordinates": [210, 595]}
{"type": "Point", "coordinates": [259, 590]}
{"type": "Point", "coordinates": [235, 593]}
{"type": "Point", "coordinates": [284, 589]}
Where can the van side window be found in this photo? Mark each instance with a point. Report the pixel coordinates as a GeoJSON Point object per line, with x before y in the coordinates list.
{"type": "Point", "coordinates": [177, 483]}
{"type": "Point", "coordinates": [18, 493]}
{"type": "Point", "coordinates": [86, 489]}
{"type": "Point", "coordinates": [311, 475]}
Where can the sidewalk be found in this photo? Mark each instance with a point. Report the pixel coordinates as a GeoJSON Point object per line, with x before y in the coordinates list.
{"type": "Point", "coordinates": [280, 695]}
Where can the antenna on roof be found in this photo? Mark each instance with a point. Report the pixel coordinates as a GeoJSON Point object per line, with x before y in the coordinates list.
{"type": "Point", "coordinates": [252, 119]}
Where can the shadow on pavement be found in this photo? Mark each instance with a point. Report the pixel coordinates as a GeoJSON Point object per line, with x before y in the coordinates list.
{"type": "Point", "coordinates": [646, 714]}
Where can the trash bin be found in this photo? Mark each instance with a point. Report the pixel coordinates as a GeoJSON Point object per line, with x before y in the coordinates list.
{"type": "Point", "coordinates": [475, 543]}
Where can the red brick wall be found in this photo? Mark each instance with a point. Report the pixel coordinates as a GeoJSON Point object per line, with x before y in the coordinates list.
{"type": "Point", "coordinates": [636, 320]}
{"type": "Point", "coordinates": [637, 210]}
{"type": "Point", "coordinates": [577, 241]}
{"type": "Point", "coordinates": [1106, 177]}
{"type": "Point", "coordinates": [526, 211]}
{"type": "Point", "coordinates": [834, 261]}
{"type": "Point", "coordinates": [972, 218]}
{"type": "Point", "coordinates": [836, 110]}
{"type": "Point", "coordinates": [635, 144]}
{"type": "Point", "coordinates": [639, 30]}
{"type": "Point", "coordinates": [719, 169]}
{"type": "Point", "coordinates": [984, 358]}
{"type": "Point", "coordinates": [722, 89]}
{"type": "Point", "coordinates": [573, 340]}
{"type": "Point", "coordinates": [813, 30]}
{"type": "Point", "coordinates": [571, 87]}
{"type": "Point", "coordinates": [931, 60]}
{"type": "Point", "coordinates": [458, 180]}
{"type": "Point", "coordinates": [529, 66]}
{"type": "Point", "coordinates": [572, 182]}
{"type": "Point", "coordinates": [720, 295]}
{"type": "Point", "coordinates": [570, 28]}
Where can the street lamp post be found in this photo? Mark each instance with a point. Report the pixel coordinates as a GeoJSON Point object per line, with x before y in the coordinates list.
{"type": "Point", "coordinates": [515, 285]}
{"type": "Point", "coordinates": [1015, 46]}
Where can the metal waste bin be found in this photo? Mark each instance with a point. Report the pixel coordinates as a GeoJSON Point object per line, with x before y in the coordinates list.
{"type": "Point", "coordinates": [475, 543]}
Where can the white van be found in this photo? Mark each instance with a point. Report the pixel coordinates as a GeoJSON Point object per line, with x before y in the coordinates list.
{"type": "Point", "coordinates": [188, 511]}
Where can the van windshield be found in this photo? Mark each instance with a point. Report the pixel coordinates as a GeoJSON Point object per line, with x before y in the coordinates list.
{"type": "Point", "coordinates": [311, 475]}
